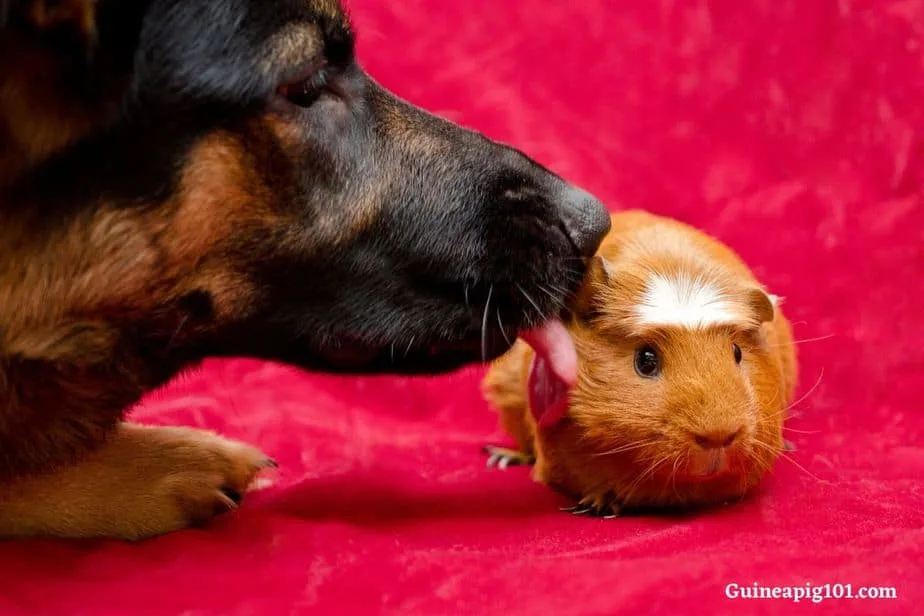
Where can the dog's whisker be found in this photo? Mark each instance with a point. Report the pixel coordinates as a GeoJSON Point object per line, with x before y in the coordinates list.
{"type": "Point", "coordinates": [501, 324]}
{"type": "Point", "coordinates": [551, 295]}
{"type": "Point", "coordinates": [529, 299]}
{"type": "Point", "coordinates": [484, 326]}
{"type": "Point", "coordinates": [558, 289]}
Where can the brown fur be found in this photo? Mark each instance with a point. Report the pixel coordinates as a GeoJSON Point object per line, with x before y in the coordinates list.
{"type": "Point", "coordinates": [115, 479]}
{"type": "Point", "coordinates": [39, 117]}
{"type": "Point", "coordinates": [170, 190]}
{"type": "Point", "coordinates": [118, 264]}
{"type": "Point", "coordinates": [628, 441]}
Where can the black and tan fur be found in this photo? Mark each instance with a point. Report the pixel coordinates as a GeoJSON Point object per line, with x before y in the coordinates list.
{"type": "Point", "coordinates": [190, 178]}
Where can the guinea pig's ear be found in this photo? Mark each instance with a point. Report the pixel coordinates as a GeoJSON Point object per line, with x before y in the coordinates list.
{"type": "Point", "coordinates": [606, 268]}
{"type": "Point", "coordinates": [599, 273]}
{"type": "Point", "coordinates": [761, 305]}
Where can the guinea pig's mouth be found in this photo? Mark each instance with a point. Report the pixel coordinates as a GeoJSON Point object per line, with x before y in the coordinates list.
{"type": "Point", "coordinates": [710, 465]}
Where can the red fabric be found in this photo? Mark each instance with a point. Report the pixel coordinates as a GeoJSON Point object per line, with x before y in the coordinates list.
{"type": "Point", "coordinates": [793, 131]}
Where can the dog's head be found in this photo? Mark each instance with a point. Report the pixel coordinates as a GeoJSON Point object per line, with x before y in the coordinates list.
{"type": "Point", "coordinates": [230, 181]}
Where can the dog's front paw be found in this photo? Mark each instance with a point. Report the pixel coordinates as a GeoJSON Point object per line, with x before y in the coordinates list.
{"type": "Point", "coordinates": [205, 475]}
{"type": "Point", "coordinates": [142, 482]}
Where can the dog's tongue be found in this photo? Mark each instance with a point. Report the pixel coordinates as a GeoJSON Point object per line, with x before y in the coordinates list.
{"type": "Point", "coordinates": [552, 372]}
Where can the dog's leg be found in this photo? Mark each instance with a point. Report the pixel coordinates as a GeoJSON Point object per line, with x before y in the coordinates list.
{"type": "Point", "coordinates": [143, 481]}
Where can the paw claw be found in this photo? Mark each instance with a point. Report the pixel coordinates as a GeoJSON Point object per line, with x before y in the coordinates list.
{"type": "Point", "coordinates": [503, 458]}
{"type": "Point", "coordinates": [600, 506]}
{"type": "Point", "coordinates": [231, 495]}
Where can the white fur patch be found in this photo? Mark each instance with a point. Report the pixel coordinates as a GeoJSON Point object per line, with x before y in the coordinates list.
{"type": "Point", "coordinates": [685, 301]}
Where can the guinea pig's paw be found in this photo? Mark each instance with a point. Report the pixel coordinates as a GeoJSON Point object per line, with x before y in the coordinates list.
{"type": "Point", "coordinates": [788, 445]}
{"type": "Point", "coordinates": [604, 505]}
{"type": "Point", "coordinates": [501, 457]}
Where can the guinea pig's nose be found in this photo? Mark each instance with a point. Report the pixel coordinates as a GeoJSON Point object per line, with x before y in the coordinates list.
{"type": "Point", "coordinates": [718, 439]}
{"type": "Point", "coordinates": [586, 219]}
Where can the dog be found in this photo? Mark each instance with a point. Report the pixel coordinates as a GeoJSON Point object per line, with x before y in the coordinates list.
{"type": "Point", "coordinates": [182, 179]}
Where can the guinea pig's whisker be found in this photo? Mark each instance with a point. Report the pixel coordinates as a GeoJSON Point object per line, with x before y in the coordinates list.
{"type": "Point", "coordinates": [743, 486]}
{"type": "Point", "coordinates": [816, 339]}
{"type": "Point", "coordinates": [801, 431]}
{"type": "Point", "coordinates": [409, 347]}
{"type": "Point", "coordinates": [802, 468]}
{"type": "Point", "coordinates": [783, 455]}
{"type": "Point", "coordinates": [802, 341]}
{"type": "Point", "coordinates": [484, 326]}
{"type": "Point", "coordinates": [674, 479]}
{"type": "Point", "coordinates": [790, 411]}
{"type": "Point", "coordinates": [763, 464]}
{"type": "Point", "coordinates": [649, 472]}
{"type": "Point", "coordinates": [627, 447]}
{"type": "Point", "coordinates": [809, 392]}
{"type": "Point", "coordinates": [766, 446]}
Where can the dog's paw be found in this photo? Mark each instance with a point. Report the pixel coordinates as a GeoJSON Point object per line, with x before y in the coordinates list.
{"type": "Point", "coordinates": [502, 457]}
{"type": "Point", "coordinates": [142, 482]}
{"type": "Point", "coordinates": [206, 475]}
{"type": "Point", "coordinates": [604, 505]}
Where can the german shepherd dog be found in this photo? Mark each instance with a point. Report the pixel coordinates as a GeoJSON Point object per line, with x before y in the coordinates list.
{"type": "Point", "coordinates": [182, 179]}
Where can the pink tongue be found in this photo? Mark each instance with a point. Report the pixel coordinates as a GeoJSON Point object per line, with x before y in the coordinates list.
{"type": "Point", "coordinates": [552, 372]}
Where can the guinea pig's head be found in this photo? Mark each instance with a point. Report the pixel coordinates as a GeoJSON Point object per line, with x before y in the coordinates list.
{"type": "Point", "coordinates": [676, 377]}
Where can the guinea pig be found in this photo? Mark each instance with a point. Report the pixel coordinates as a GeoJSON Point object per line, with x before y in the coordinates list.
{"type": "Point", "coordinates": [685, 370]}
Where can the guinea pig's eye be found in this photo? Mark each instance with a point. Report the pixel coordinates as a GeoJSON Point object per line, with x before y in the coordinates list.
{"type": "Point", "coordinates": [737, 353]}
{"type": "Point", "coordinates": [647, 362]}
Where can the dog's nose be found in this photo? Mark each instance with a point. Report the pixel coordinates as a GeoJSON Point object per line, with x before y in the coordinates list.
{"type": "Point", "coordinates": [586, 219]}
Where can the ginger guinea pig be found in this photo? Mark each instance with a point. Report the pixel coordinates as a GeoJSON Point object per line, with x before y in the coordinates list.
{"type": "Point", "coordinates": [686, 368]}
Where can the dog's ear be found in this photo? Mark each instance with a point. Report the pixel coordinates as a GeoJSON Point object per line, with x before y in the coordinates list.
{"type": "Point", "coordinates": [55, 20]}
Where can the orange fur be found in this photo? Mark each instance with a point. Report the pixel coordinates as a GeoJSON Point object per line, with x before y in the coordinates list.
{"type": "Point", "coordinates": [629, 441]}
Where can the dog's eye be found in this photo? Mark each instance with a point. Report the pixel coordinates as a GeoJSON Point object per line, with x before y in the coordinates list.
{"type": "Point", "coordinates": [647, 362]}
{"type": "Point", "coordinates": [305, 92]}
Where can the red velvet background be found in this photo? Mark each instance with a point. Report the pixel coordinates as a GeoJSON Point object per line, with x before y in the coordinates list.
{"type": "Point", "coordinates": [792, 129]}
